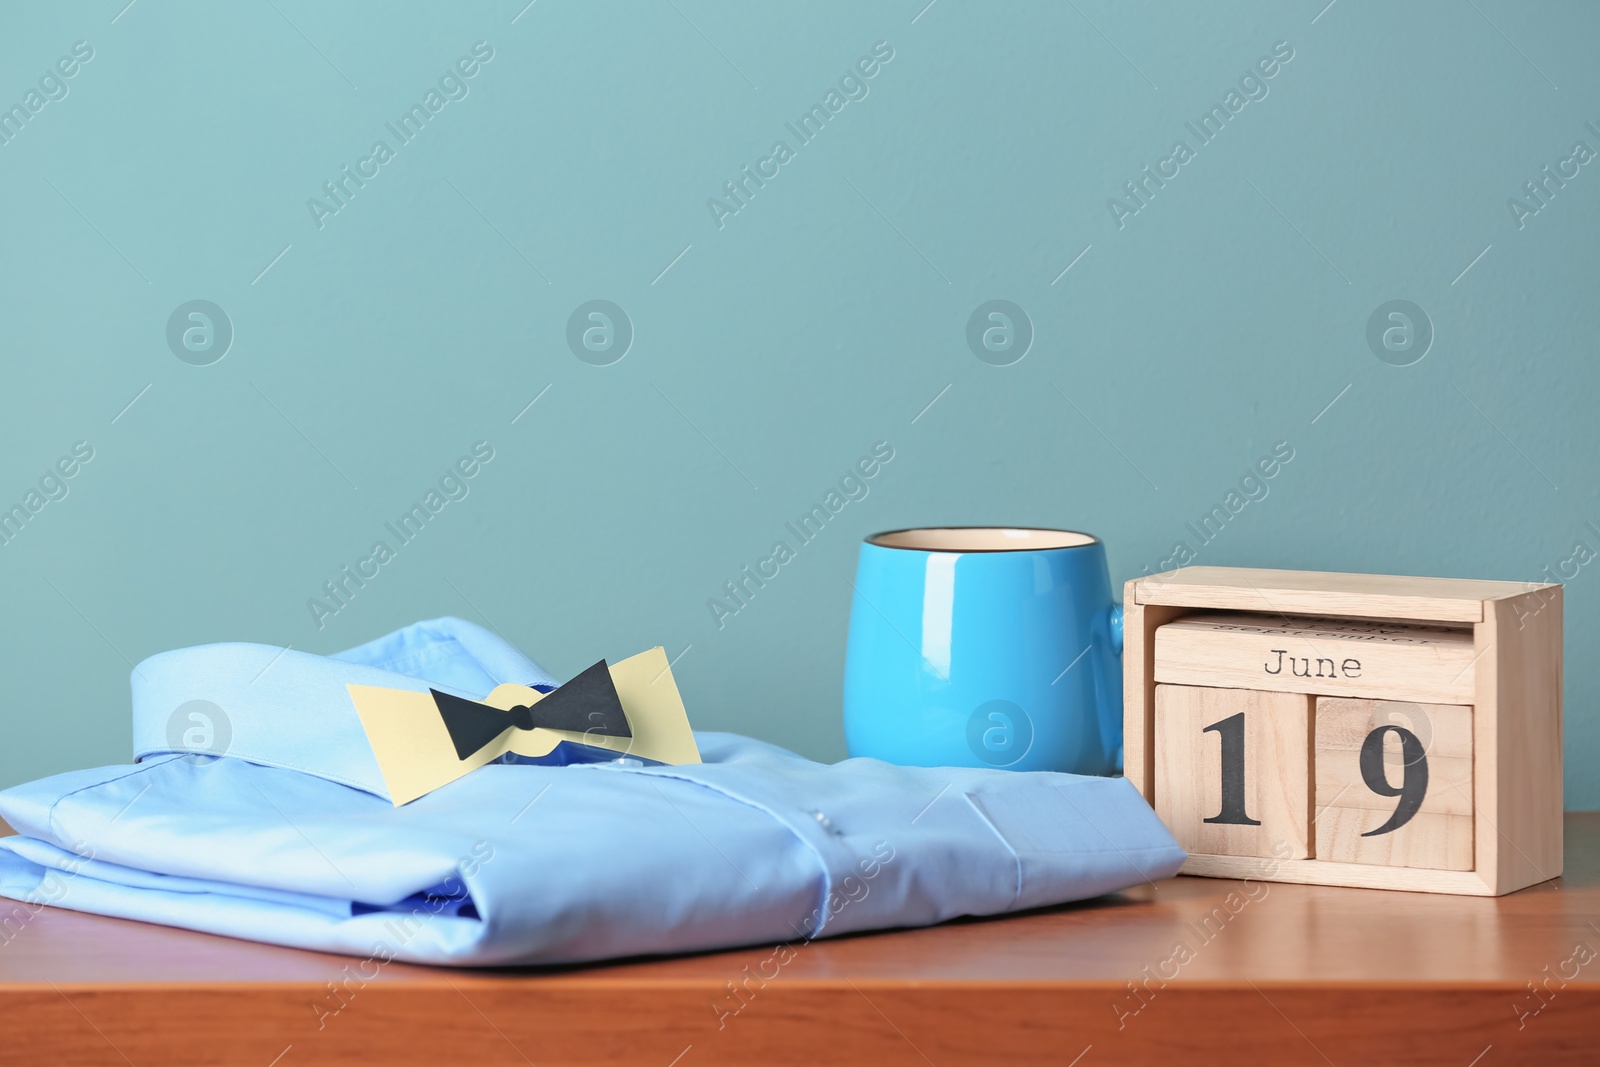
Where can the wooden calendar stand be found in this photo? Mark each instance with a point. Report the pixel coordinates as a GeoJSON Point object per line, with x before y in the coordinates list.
{"type": "Point", "coordinates": [1349, 729]}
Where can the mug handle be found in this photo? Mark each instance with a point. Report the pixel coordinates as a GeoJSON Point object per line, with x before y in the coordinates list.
{"type": "Point", "coordinates": [1114, 618]}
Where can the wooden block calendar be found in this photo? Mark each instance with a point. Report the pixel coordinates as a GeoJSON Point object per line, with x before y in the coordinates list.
{"type": "Point", "coordinates": [1348, 729]}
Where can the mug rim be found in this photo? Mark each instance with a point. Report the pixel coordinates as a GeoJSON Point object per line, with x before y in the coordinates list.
{"type": "Point", "coordinates": [875, 539]}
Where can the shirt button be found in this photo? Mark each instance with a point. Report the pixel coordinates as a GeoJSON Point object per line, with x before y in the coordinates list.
{"type": "Point", "coordinates": [825, 822]}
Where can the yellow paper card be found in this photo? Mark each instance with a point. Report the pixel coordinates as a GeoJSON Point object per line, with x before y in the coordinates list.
{"type": "Point", "coordinates": [416, 755]}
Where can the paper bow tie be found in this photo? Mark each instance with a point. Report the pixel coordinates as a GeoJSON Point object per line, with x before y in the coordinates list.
{"type": "Point", "coordinates": [587, 704]}
{"type": "Point", "coordinates": [424, 740]}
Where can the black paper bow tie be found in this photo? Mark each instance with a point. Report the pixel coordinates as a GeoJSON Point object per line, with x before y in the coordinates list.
{"type": "Point", "coordinates": [587, 704]}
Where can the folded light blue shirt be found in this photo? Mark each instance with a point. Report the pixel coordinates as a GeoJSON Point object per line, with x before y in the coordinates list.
{"type": "Point", "coordinates": [289, 836]}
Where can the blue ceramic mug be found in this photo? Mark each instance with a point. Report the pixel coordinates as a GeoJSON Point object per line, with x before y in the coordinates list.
{"type": "Point", "coordinates": [985, 647]}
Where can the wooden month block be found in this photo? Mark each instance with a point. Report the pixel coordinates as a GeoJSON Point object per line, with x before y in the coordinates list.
{"type": "Point", "coordinates": [1333, 657]}
{"type": "Point", "coordinates": [1394, 783]}
{"type": "Point", "coordinates": [1233, 770]}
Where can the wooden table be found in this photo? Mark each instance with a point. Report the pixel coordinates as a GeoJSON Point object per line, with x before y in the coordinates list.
{"type": "Point", "coordinates": [1291, 974]}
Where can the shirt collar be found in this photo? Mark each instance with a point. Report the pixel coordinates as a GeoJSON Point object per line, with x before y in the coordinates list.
{"type": "Point", "coordinates": [289, 709]}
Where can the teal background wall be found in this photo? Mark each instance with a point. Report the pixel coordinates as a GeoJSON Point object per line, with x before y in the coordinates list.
{"type": "Point", "coordinates": [1172, 346]}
